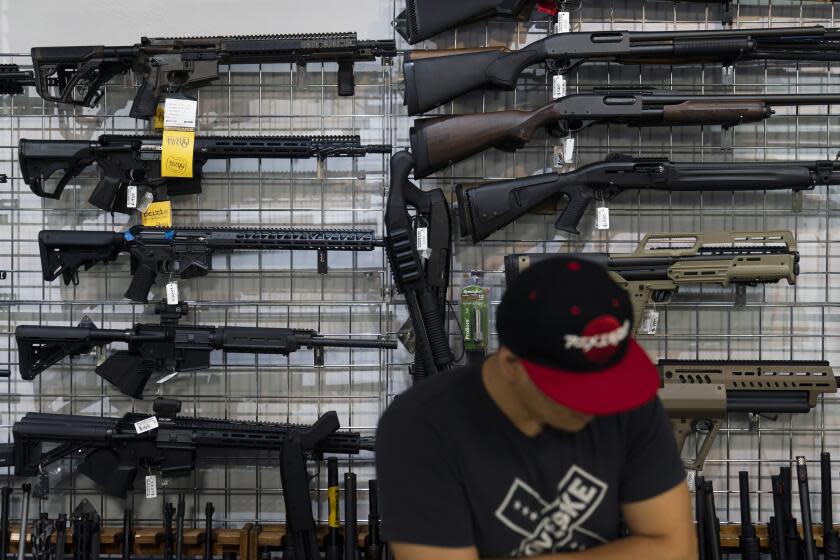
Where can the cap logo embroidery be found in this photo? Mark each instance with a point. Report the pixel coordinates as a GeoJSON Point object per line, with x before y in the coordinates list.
{"type": "Point", "coordinates": [599, 347]}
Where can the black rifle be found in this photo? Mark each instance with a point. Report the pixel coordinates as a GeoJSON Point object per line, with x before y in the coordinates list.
{"type": "Point", "coordinates": [712, 523]}
{"type": "Point", "coordinates": [805, 505]}
{"type": "Point", "coordinates": [422, 19]}
{"type": "Point", "coordinates": [5, 494]}
{"type": "Point", "coordinates": [86, 530]}
{"type": "Point", "coordinates": [77, 75]}
{"type": "Point", "coordinates": [487, 208]}
{"type": "Point", "coordinates": [700, 516]}
{"type": "Point", "coordinates": [776, 527]}
{"type": "Point", "coordinates": [26, 490]}
{"type": "Point", "coordinates": [48, 165]}
{"type": "Point", "coordinates": [12, 79]}
{"type": "Point", "coordinates": [333, 539]}
{"type": "Point", "coordinates": [793, 542]}
{"type": "Point", "coordinates": [112, 453]}
{"type": "Point", "coordinates": [499, 68]}
{"type": "Point", "coordinates": [831, 542]}
{"type": "Point", "coordinates": [185, 252]}
{"type": "Point", "coordinates": [208, 531]}
{"type": "Point", "coordinates": [60, 536]}
{"type": "Point", "coordinates": [422, 279]}
{"type": "Point", "coordinates": [374, 547]}
{"type": "Point", "coordinates": [179, 528]}
{"type": "Point", "coordinates": [127, 535]}
{"type": "Point", "coordinates": [351, 528]}
{"type": "Point", "coordinates": [168, 532]}
{"type": "Point", "coordinates": [440, 141]}
{"type": "Point", "coordinates": [166, 347]}
{"type": "Point", "coordinates": [748, 542]}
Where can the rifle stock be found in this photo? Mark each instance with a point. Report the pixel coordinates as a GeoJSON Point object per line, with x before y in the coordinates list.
{"type": "Point", "coordinates": [63, 253]}
{"type": "Point", "coordinates": [422, 19]}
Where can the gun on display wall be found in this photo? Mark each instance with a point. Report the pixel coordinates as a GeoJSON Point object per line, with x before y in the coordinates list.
{"type": "Point", "coordinates": [663, 262]}
{"type": "Point", "coordinates": [164, 348]}
{"type": "Point", "coordinates": [48, 165]}
{"type": "Point", "coordinates": [112, 453]}
{"type": "Point", "coordinates": [185, 252]}
{"type": "Point", "coordinates": [13, 79]}
{"type": "Point", "coordinates": [421, 274]}
{"type": "Point", "coordinates": [700, 394]}
{"type": "Point", "coordinates": [77, 75]}
{"type": "Point", "coordinates": [499, 68]}
{"type": "Point", "coordinates": [485, 209]}
{"type": "Point", "coordinates": [437, 142]}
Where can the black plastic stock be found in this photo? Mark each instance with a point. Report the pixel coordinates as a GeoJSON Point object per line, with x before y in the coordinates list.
{"type": "Point", "coordinates": [808, 545]}
{"type": "Point", "coordinates": [831, 542]}
{"type": "Point", "coordinates": [748, 542]}
{"type": "Point", "coordinates": [208, 531]}
{"type": "Point", "coordinates": [5, 493]}
{"type": "Point", "coordinates": [422, 19]}
{"type": "Point", "coordinates": [374, 548]}
{"type": "Point", "coordinates": [351, 527]}
{"type": "Point", "coordinates": [127, 535]}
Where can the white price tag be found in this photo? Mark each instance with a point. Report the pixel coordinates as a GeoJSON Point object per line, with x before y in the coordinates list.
{"type": "Point", "coordinates": [602, 218]}
{"type": "Point", "coordinates": [166, 378]}
{"type": "Point", "coordinates": [146, 425]}
{"type": "Point", "coordinates": [650, 322]}
{"type": "Point", "coordinates": [422, 238]}
{"type": "Point", "coordinates": [569, 150]}
{"type": "Point", "coordinates": [559, 156]}
{"type": "Point", "coordinates": [179, 113]}
{"type": "Point", "coordinates": [145, 202]}
{"type": "Point", "coordinates": [172, 293]}
{"type": "Point", "coordinates": [558, 88]}
{"type": "Point", "coordinates": [564, 23]}
{"type": "Point", "coordinates": [131, 196]}
{"type": "Point", "coordinates": [690, 478]}
{"type": "Point", "coordinates": [151, 486]}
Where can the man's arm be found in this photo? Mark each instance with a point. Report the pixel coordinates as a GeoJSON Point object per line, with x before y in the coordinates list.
{"type": "Point", "coordinates": [660, 529]}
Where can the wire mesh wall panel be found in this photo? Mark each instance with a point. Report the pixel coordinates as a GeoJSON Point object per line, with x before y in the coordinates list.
{"type": "Point", "coordinates": [357, 297]}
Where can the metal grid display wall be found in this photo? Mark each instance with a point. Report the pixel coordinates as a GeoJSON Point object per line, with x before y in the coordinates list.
{"type": "Point", "coordinates": [356, 297]}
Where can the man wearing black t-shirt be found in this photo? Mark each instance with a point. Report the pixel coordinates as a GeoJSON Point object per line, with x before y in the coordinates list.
{"type": "Point", "coordinates": [547, 447]}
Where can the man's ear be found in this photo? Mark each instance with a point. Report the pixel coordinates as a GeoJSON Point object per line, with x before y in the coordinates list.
{"type": "Point", "coordinates": [509, 364]}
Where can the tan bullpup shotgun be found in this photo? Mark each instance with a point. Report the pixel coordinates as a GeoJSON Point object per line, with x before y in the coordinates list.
{"type": "Point", "coordinates": [697, 395]}
{"type": "Point", "coordinates": [665, 261]}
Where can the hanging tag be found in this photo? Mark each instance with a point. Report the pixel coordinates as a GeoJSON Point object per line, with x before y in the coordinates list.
{"type": "Point", "coordinates": [166, 378]}
{"type": "Point", "coordinates": [559, 159]}
{"type": "Point", "coordinates": [146, 425]}
{"type": "Point", "coordinates": [558, 89]}
{"type": "Point", "coordinates": [650, 322]}
{"type": "Point", "coordinates": [158, 121]}
{"type": "Point", "coordinates": [179, 112]}
{"type": "Point", "coordinates": [131, 196]}
{"type": "Point", "coordinates": [158, 214]}
{"type": "Point", "coordinates": [176, 156]}
{"type": "Point", "coordinates": [145, 202]}
{"type": "Point", "coordinates": [172, 293]}
{"type": "Point", "coordinates": [602, 219]}
{"type": "Point", "coordinates": [423, 242]}
{"type": "Point", "coordinates": [151, 486]}
{"type": "Point", "coordinates": [569, 150]}
{"type": "Point", "coordinates": [318, 352]}
{"type": "Point", "coordinates": [690, 477]}
{"type": "Point", "coordinates": [564, 23]}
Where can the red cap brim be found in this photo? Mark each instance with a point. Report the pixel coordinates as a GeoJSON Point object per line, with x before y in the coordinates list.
{"type": "Point", "coordinates": [628, 384]}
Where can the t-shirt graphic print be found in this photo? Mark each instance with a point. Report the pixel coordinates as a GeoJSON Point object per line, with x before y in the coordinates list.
{"type": "Point", "coordinates": [555, 524]}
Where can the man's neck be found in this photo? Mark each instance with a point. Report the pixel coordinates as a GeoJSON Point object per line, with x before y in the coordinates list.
{"type": "Point", "coordinates": [507, 400]}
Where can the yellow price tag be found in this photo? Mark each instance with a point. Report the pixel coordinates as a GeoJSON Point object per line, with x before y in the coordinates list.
{"type": "Point", "coordinates": [158, 122]}
{"type": "Point", "coordinates": [176, 158]}
{"type": "Point", "coordinates": [158, 214]}
{"type": "Point", "coordinates": [332, 495]}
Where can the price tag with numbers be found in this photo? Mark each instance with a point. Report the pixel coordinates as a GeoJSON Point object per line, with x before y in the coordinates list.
{"type": "Point", "coordinates": [146, 425]}
{"type": "Point", "coordinates": [650, 323]}
{"type": "Point", "coordinates": [172, 293]}
{"type": "Point", "coordinates": [602, 218]}
{"type": "Point", "coordinates": [151, 486]}
{"type": "Point", "coordinates": [131, 196]}
{"type": "Point", "coordinates": [558, 88]}
{"type": "Point", "coordinates": [564, 23]}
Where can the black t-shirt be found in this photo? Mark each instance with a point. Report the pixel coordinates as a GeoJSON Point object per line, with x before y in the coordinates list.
{"type": "Point", "coordinates": [454, 471]}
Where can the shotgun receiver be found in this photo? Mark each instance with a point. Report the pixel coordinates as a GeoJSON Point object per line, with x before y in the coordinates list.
{"type": "Point", "coordinates": [665, 261]}
{"type": "Point", "coordinates": [441, 141]}
{"type": "Point", "coordinates": [485, 209]}
{"type": "Point", "coordinates": [186, 252]}
{"type": "Point", "coordinates": [421, 274]}
{"type": "Point", "coordinates": [498, 67]}
{"type": "Point", "coordinates": [113, 453]}
{"type": "Point", "coordinates": [48, 165]}
{"type": "Point", "coordinates": [700, 394]}
{"type": "Point", "coordinates": [77, 75]}
{"type": "Point", "coordinates": [166, 347]}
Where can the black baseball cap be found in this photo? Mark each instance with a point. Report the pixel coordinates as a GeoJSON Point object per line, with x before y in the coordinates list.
{"type": "Point", "coordinates": [570, 325]}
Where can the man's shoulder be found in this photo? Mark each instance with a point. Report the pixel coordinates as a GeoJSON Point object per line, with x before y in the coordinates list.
{"type": "Point", "coordinates": [436, 397]}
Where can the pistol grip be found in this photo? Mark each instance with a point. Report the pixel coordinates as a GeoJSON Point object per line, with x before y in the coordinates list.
{"type": "Point", "coordinates": [141, 283]}
{"type": "Point", "coordinates": [105, 194]}
{"type": "Point", "coordinates": [145, 101]}
{"type": "Point", "coordinates": [570, 216]}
